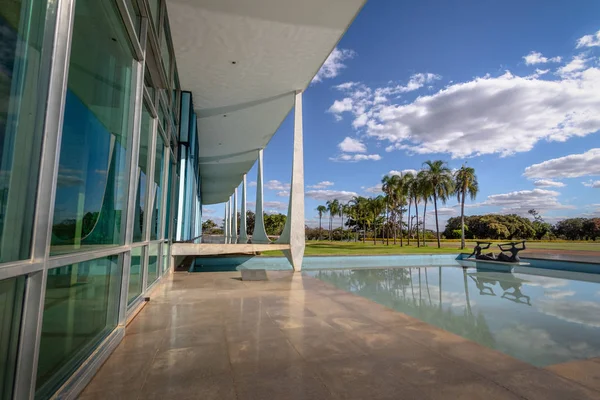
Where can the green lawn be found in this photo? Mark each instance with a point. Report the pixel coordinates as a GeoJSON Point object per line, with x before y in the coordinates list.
{"type": "Point", "coordinates": [314, 248]}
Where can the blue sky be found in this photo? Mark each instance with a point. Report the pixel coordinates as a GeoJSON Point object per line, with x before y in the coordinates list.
{"type": "Point", "coordinates": [510, 88]}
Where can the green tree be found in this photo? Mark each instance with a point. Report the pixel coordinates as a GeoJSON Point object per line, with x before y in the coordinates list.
{"type": "Point", "coordinates": [208, 226]}
{"type": "Point", "coordinates": [333, 208]}
{"type": "Point", "coordinates": [321, 209]}
{"type": "Point", "coordinates": [426, 191]}
{"type": "Point", "coordinates": [440, 178]}
{"type": "Point", "coordinates": [465, 182]}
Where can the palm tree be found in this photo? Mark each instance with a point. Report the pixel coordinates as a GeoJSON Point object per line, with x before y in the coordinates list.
{"type": "Point", "coordinates": [387, 186]}
{"type": "Point", "coordinates": [466, 183]}
{"type": "Point", "coordinates": [407, 181]}
{"type": "Point", "coordinates": [359, 208]}
{"type": "Point", "coordinates": [375, 208]}
{"type": "Point", "coordinates": [345, 210]}
{"type": "Point", "coordinates": [415, 192]}
{"type": "Point", "coordinates": [426, 193]}
{"type": "Point", "coordinates": [440, 179]}
{"type": "Point", "coordinates": [321, 209]}
{"type": "Point", "coordinates": [332, 207]}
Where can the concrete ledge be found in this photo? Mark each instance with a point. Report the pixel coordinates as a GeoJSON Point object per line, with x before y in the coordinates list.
{"type": "Point", "coordinates": [209, 249]}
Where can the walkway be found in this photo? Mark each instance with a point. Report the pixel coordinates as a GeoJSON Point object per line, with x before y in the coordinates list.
{"type": "Point", "coordinates": [212, 336]}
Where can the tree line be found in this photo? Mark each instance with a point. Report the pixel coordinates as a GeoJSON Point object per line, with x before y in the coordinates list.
{"type": "Point", "coordinates": [403, 193]}
{"type": "Point", "coordinates": [274, 224]}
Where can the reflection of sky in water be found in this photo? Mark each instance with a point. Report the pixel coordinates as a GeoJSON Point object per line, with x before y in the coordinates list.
{"type": "Point", "coordinates": [542, 320]}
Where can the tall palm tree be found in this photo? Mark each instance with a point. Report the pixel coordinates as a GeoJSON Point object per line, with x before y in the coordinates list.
{"type": "Point", "coordinates": [375, 209]}
{"type": "Point", "coordinates": [387, 187]}
{"type": "Point", "coordinates": [466, 183]}
{"type": "Point", "coordinates": [359, 209]}
{"type": "Point", "coordinates": [442, 183]}
{"type": "Point", "coordinates": [332, 207]}
{"type": "Point", "coordinates": [345, 209]}
{"type": "Point", "coordinates": [415, 192]}
{"type": "Point", "coordinates": [321, 209]}
{"type": "Point", "coordinates": [426, 193]}
{"type": "Point", "coordinates": [407, 181]}
{"type": "Point", "coordinates": [400, 202]}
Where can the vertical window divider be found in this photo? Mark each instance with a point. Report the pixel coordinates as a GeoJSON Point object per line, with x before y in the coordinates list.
{"type": "Point", "coordinates": [55, 59]}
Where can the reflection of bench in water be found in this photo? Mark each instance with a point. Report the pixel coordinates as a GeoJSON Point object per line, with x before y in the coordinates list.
{"type": "Point", "coordinates": [506, 282]}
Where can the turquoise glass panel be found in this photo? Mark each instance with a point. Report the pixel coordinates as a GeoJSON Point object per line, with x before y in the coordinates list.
{"type": "Point", "coordinates": [155, 227]}
{"type": "Point", "coordinates": [81, 308]}
{"type": "Point", "coordinates": [135, 274]}
{"type": "Point", "coordinates": [12, 292]}
{"type": "Point", "coordinates": [92, 180]}
{"type": "Point", "coordinates": [139, 226]}
{"type": "Point", "coordinates": [153, 263]}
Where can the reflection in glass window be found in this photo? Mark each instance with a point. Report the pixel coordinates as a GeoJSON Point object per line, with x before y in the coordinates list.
{"type": "Point", "coordinates": [139, 230]}
{"type": "Point", "coordinates": [135, 274]}
{"type": "Point", "coordinates": [164, 52]}
{"type": "Point", "coordinates": [154, 10]}
{"type": "Point", "coordinates": [92, 179]}
{"type": "Point", "coordinates": [81, 308]}
{"type": "Point", "coordinates": [11, 307]}
{"type": "Point", "coordinates": [155, 224]}
{"type": "Point", "coordinates": [134, 13]}
{"type": "Point", "coordinates": [165, 256]}
{"type": "Point", "coordinates": [21, 37]}
{"type": "Point", "coordinates": [152, 263]}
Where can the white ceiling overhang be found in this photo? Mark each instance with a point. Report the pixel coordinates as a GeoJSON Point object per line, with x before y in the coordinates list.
{"type": "Point", "coordinates": [243, 60]}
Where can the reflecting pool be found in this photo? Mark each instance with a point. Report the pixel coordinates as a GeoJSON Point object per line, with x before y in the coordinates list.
{"type": "Point", "coordinates": [541, 320]}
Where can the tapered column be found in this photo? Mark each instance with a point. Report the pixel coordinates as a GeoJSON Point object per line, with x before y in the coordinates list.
{"type": "Point", "coordinates": [293, 232]}
{"type": "Point", "coordinates": [226, 222]}
{"type": "Point", "coordinates": [231, 234]}
{"type": "Point", "coordinates": [259, 235]}
{"type": "Point", "coordinates": [234, 231]}
{"type": "Point", "coordinates": [243, 227]}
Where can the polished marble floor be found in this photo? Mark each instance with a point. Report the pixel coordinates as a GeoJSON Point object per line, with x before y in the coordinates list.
{"type": "Point", "coordinates": [212, 336]}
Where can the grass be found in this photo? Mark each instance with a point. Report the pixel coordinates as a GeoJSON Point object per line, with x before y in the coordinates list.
{"type": "Point", "coordinates": [314, 248]}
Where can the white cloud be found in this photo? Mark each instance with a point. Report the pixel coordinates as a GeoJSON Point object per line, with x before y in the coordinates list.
{"type": "Point", "coordinates": [537, 58]}
{"type": "Point", "coordinates": [283, 193]}
{"type": "Point", "coordinates": [252, 183]}
{"type": "Point", "coordinates": [334, 64]}
{"type": "Point", "coordinates": [403, 172]}
{"type": "Point", "coordinates": [589, 40]}
{"type": "Point", "coordinates": [547, 183]}
{"type": "Point", "coordinates": [503, 114]}
{"type": "Point", "coordinates": [346, 85]}
{"type": "Point", "coordinates": [373, 189]}
{"type": "Point", "coordinates": [573, 69]}
{"type": "Point", "coordinates": [340, 106]}
{"type": "Point", "coordinates": [350, 145]}
{"type": "Point", "coordinates": [443, 211]}
{"type": "Point", "coordinates": [592, 184]}
{"type": "Point", "coordinates": [522, 201]}
{"type": "Point", "coordinates": [355, 157]}
{"type": "Point", "coordinates": [321, 185]}
{"type": "Point", "coordinates": [277, 205]}
{"type": "Point", "coordinates": [277, 185]}
{"type": "Point", "coordinates": [324, 195]}
{"type": "Point", "coordinates": [208, 211]}
{"type": "Point", "coordinates": [571, 166]}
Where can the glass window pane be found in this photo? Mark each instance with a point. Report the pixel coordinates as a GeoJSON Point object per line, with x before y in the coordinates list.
{"type": "Point", "coordinates": [134, 13]}
{"type": "Point", "coordinates": [92, 178]}
{"type": "Point", "coordinates": [11, 307]}
{"type": "Point", "coordinates": [165, 256]}
{"type": "Point", "coordinates": [148, 84]}
{"type": "Point", "coordinates": [21, 37]}
{"type": "Point", "coordinates": [155, 231]}
{"type": "Point", "coordinates": [135, 274]}
{"type": "Point", "coordinates": [169, 192]}
{"type": "Point", "coordinates": [152, 263]}
{"type": "Point", "coordinates": [81, 308]}
{"type": "Point", "coordinates": [164, 51]}
{"type": "Point", "coordinates": [154, 10]}
{"type": "Point", "coordinates": [139, 230]}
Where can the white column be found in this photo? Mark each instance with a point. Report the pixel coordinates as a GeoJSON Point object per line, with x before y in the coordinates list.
{"type": "Point", "coordinates": [293, 232]}
{"type": "Point", "coordinates": [234, 228]}
{"type": "Point", "coordinates": [259, 235]}
{"type": "Point", "coordinates": [226, 222]}
{"type": "Point", "coordinates": [243, 227]}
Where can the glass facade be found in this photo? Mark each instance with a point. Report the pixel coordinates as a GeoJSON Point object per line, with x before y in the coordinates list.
{"type": "Point", "coordinates": [67, 162]}
{"type": "Point", "coordinates": [157, 190]}
{"type": "Point", "coordinates": [81, 309]}
{"type": "Point", "coordinates": [92, 178]}
{"type": "Point", "coordinates": [139, 228]}
{"type": "Point", "coordinates": [136, 276]}
{"type": "Point", "coordinates": [11, 308]}
{"type": "Point", "coordinates": [22, 25]}
{"type": "Point", "coordinates": [153, 263]}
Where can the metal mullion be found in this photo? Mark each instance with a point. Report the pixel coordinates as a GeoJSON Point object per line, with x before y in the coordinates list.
{"type": "Point", "coordinates": [18, 268]}
{"type": "Point", "coordinates": [143, 7]}
{"type": "Point", "coordinates": [75, 258]}
{"type": "Point", "coordinates": [130, 28]}
{"type": "Point", "coordinates": [150, 103]}
{"type": "Point", "coordinates": [55, 58]}
{"type": "Point", "coordinates": [163, 216]}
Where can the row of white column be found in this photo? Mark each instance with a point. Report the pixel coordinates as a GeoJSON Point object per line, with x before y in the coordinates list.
{"type": "Point", "coordinates": [293, 232]}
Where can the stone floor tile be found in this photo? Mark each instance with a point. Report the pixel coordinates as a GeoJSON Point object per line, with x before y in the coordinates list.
{"type": "Point", "coordinates": [586, 372]}
{"type": "Point", "coordinates": [323, 347]}
{"type": "Point", "coordinates": [190, 362]}
{"type": "Point", "coordinates": [214, 387]}
{"type": "Point", "coordinates": [262, 355]}
{"type": "Point", "coordinates": [469, 390]}
{"type": "Point", "coordinates": [538, 384]}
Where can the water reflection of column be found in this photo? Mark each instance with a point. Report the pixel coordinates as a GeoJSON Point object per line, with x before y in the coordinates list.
{"type": "Point", "coordinates": [440, 284]}
{"type": "Point", "coordinates": [243, 227]}
{"type": "Point", "coordinates": [467, 292]}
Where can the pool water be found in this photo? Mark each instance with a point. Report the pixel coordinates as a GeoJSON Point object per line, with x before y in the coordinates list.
{"type": "Point", "coordinates": [539, 319]}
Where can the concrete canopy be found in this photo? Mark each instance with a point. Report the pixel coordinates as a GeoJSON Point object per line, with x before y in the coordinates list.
{"type": "Point", "coordinates": [243, 60]}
